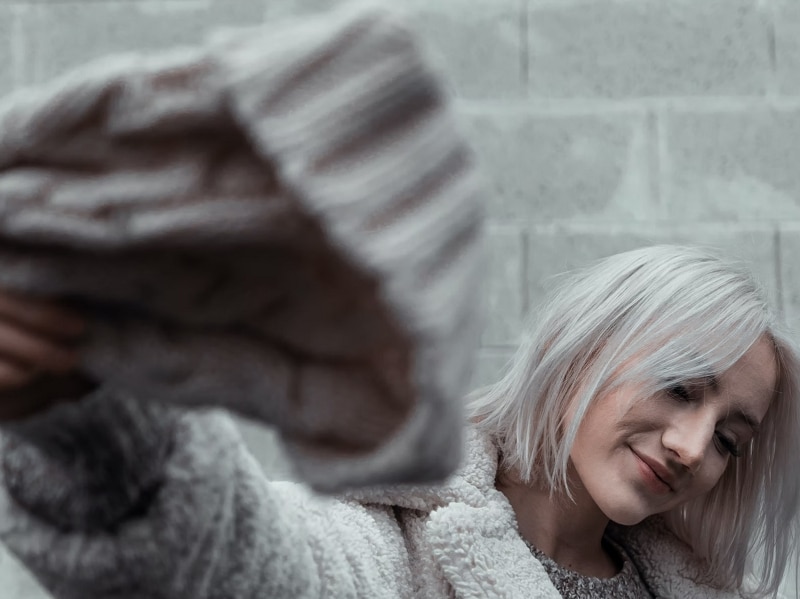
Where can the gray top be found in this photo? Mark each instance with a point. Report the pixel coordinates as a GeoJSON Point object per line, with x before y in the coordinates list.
{"type": "Point", "coordinates": [626, 584]}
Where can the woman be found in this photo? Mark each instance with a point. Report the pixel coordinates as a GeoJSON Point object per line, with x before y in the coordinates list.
{"type": "Point", "coordinates": [641, 445]}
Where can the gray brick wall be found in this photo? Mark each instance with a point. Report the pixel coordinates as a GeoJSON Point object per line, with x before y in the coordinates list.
{"type": "Point", "coordinates": [603, 125]}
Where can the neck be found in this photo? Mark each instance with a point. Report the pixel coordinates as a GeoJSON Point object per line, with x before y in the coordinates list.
{"type": "Point", "coordinates": [569, 531]}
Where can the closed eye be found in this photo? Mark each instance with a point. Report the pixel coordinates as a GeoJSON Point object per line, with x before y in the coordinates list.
{"type": "Point", "coordinates": [680, 392]}
{"type": "Point", "coordinates": [687, 393]}
{"type": "Point", "coordinates": [727, 445]}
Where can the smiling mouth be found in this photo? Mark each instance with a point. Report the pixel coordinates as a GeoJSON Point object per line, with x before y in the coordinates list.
{"type": "Point", "coordinates": [652, 481]}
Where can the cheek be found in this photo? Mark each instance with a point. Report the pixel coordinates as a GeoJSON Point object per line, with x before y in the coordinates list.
{"type": "Point", "coordinates": [602, 419]}
{"type": "Point", "coordinates": [592, 435]}
{"type": "Point", "coordinates": [708, 478]}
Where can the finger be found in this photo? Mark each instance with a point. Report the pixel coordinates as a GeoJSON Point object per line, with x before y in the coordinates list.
{"type": "Point", "coordinates": [14, 408]}
{"type": "Point", "coordinates": [34, 393]}
{"type": "Point", "coordinates": [33, 351]}
{"type": "Point", "coordinates": [13, 375]}
{"type": "Point", "coordinates": [40, 315]}
{"type": "Point", "coordinates": [50, 388]}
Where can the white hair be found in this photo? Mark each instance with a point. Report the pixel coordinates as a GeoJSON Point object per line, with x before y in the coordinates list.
{"type": "Point", "coordinates": [684, 314]}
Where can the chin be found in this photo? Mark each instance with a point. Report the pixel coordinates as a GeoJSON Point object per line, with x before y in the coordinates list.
{"type": "Point", "coordinates": [629, 519]}
{"type": "Point", "coordinates": [627, 515]}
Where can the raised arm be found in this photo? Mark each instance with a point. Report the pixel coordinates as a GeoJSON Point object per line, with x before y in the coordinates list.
{"type": "Point", "coordinates": [115, 497]}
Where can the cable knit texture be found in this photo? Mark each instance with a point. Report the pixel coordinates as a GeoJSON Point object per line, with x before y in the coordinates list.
{"type": "Point", "coordinates": [284, 221]}
{"type": "Point", "coordinates": [216, 529]}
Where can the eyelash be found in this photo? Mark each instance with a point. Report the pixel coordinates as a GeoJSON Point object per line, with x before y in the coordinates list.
{"type": "Point", "coordinates": [680, 393]}
{"type": "Point", "coordinates": [724, 444]}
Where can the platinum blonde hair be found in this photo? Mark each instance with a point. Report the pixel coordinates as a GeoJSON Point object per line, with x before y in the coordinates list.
{"type": "Point", "coordinates": [670, 315]}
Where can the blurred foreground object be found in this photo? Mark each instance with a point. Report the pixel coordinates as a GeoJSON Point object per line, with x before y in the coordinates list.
{"type": "Point", "coordinates": [284, 222]}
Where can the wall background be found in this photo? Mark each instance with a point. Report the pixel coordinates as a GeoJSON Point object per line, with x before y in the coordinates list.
{"type": "Point", "coordinates": [603, 125]}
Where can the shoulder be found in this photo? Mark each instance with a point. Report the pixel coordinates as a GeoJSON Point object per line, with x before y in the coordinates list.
{"type": "Point", "coordinates": [471, 484]}
{"type": "Point", "coordinates": [667, 564]}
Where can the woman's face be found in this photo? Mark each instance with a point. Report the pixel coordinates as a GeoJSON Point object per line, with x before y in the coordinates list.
{"type": "Point", "coordinates": [638, 458]}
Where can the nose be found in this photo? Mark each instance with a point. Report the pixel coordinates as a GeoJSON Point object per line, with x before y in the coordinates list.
{"type": "Point", "coordinates": [688, 437]}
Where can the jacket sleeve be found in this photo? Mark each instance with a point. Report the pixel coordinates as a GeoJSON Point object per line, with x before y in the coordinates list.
{"type": "Point", "coordinates": [116, 498]}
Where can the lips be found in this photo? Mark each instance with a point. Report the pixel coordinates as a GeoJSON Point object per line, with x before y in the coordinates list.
{"type": "Point", "coordinates": [658, 477]}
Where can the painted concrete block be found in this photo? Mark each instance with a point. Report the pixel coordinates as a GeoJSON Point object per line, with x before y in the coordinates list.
{"type": "Point", "coordinates": [480, 46]}
{"type": "Point", "coordinates": [734, 165]}
{"type": "Point", "coordinates": [278, 9]}
{"type": "Point", "coordinates": [787, 45]}
{"type": "Point", "coordinates": [8, 60]}
{"type": "Point", "coordinates": [619, 48]}
{"type": "Point", "coordinates": [490, 366]}
{"type": "Point", "coordinates": [60, 36]}
{"type": "Point", "coordinates": [562, 167]}
{"type": "Point", "coordinates": [504, 286]}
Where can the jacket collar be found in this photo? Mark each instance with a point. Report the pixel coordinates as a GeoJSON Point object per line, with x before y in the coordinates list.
{"type": "Point", "coordinates": [471, 528]}
{"type": "Point", "coordinates": [472, 531]}
{"type": "Point", "coordinates": [472, 483]}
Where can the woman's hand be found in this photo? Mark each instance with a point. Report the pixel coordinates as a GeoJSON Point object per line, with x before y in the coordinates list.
{"type": "Point", "coordinates": [37, 345]}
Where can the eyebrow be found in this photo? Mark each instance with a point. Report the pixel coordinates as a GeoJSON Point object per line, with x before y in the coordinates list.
{"type": "Point", "coordinates": [712, 381]}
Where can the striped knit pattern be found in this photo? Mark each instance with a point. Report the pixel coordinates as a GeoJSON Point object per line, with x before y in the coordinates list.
{"type": "Point", "coordinates": [285, 222]}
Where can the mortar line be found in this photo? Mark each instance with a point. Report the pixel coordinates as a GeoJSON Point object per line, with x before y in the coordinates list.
{"type": "Point", "coordinates": [557, 107]}
{"type": "Point", "coordinates": [524, 47]}
{"type": "Point", "coordinates": [525, 262]}
{"type": "Point", "coordinates": [778, 272]}
{"type": "Point", "coordinates": [655, 159]}
{"type": "Point", "coordinates": [772, 53]}
{"type": "Point", "coordinates": [17, 43]}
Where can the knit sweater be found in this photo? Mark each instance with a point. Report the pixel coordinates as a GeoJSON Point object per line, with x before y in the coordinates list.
{"type": "Point", "coordinates": [195, 518]}
{"type": "Point", "coordinates": [625, 584]}
{"type": "Point", "coordinates": [284, 221]}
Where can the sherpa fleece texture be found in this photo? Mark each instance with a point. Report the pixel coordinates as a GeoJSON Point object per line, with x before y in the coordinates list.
{"type": "Point", "coordinates": [214, 528]}
{"type": "Point", "coordinates": [285, 222]}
